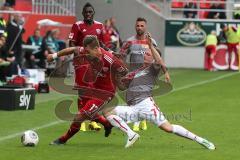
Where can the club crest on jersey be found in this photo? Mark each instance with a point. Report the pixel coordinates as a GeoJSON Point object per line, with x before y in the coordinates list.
{"type": "Point", "coordinates": [71, 35]}
{"type": "Point", "coordinates": [98, 31]}
{"type": "Point", "coordinates": [105, 69]}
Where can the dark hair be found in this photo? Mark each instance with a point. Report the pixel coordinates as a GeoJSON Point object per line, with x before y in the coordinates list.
{"type": "Point", "coordinates": [91, 41]}
{"type": "Point", "coordinates": [141, 19]}
{"type": "Point", "coordinates": [48, 33]}
{"type": "Point", "coordinates": [86, 6]}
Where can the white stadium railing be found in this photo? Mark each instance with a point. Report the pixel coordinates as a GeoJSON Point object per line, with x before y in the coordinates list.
{"type": "Point", "coordinates": [54, 7]}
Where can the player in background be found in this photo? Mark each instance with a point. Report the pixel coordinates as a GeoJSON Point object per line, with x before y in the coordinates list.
{"type": "Point", "coordinates": [133, 50]}
{"type": "Point", "coordinates": [79, 31]}
{"type": "Point", "coordinates": [142, 106]}
{"type": "Point", "coordinates": [210, 50]}
{"type": "Point", "coordinates": [104, 73]}
{"type": "Point", "coordinates": [232, 43]}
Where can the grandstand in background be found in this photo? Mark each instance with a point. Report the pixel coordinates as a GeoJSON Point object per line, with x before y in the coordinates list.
{"type": "Point", "coordinates": [167, 23]}
{"type": "Point", "coordinates": [175, 8]}
{"type": "Point", "coordinates": [61, 11]}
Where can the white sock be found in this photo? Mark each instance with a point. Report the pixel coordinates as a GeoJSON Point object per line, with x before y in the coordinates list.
{"type": "Point", "coordinates": [118, 122]}
{"type": "Point", "coordinates": [181, 131]}
{"type": "Point", "coordinates": [136, 124]}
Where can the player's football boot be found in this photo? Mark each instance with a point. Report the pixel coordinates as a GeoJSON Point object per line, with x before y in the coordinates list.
{"type": "Point", "coordinates": [135, 128]}
{"type": "Point", "coordinates": [94, 126]}
{"type": "Point", "coordinates": [208, 145]}
{"type": "Point", "coordinates": [57, 142]}
{"type": "Point", "coordinates": [83, 127]}
{"type": "Point", "coordinates": [132, 140]}
{"type": "Point", "coordinates": [108, 131]}
{"type": "Point", "coordinates": [143, 125]}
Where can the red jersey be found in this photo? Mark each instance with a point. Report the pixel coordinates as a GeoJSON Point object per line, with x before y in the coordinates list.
{"type": "Point", "coordinates": [81, 67]}
{"type": "Point", "coordinates": [99, 72]}
{"type": "Point", "coordinates": [110, 67]}
{"type": "Point", "coordinates": [80, 30]}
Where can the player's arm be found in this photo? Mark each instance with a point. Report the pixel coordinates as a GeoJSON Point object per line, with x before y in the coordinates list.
{"type": "Point", "coordinates": [64, 52]}
{"type": "Point", "coordinates": [121, 82]}
{"type": "Point", "coordinates": [119, 71]}
{"type": "Point", "coordinates": [163, 65]}
{"type": "Point", "coordinates": [158, 59]}
{"type": "Point", "coordinates": [124, 51]}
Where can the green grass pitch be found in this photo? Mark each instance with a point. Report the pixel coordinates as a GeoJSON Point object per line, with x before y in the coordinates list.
{"type": "Point", "coordinates": [207, 103]}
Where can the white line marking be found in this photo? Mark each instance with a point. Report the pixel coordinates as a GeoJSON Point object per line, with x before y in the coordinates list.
{"type": "Point", "coordinates": [200, 83]}
{"type": "Point", "coordinates": [174, 90]}
{"type": "Point", "coordinates": [35, 129]}
{"type": "Point", "coordinates": [204, 82]}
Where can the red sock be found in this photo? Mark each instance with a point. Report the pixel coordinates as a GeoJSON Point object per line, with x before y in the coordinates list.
{"type": "Point", "coordinates": [101, 119]}
{"type": "Point", "coordinates": [74, 128]}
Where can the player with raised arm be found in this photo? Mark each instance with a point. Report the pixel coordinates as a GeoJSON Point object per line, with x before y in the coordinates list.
{"type": "Point", "coordinates": [142, 106]}
{"type": "Point", "coordinates": [104, 73]}
{"type": "Point", "coordinates": [133, 50]}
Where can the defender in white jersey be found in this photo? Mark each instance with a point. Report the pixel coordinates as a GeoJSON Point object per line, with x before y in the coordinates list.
{"type": "Point", "coordinates": [142, 106]}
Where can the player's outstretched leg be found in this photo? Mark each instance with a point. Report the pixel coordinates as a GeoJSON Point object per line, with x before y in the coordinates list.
{"type": "Point", "coordinates": [74, 128]}
{"type": "Point", "coordinates": [181, 131]}
{"type": "Point", "coordinates": [118, 122]}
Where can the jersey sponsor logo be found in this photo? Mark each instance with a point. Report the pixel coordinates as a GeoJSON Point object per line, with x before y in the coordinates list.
{"type": "Point", "coordinates": [98, 31]}
{"type": "Point", "coordinates": [71, 35]}
{"type": "Point", "coordinates": [140, 52]}
{"type": "Point", "coordinates": [25, 100]}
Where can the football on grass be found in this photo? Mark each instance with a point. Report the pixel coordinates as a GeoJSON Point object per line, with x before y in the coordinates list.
{"type": "Point", "coordinates": [29, 138]}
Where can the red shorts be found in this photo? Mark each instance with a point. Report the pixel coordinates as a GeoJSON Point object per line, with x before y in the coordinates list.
{"type": "Point", "coordinates": [211, 49]}
{"type": "Point", "coordinates": [92, 107]}
{"type": "Point", "coordinates": [232, 47]}
{"type": "Point", "coordinates": [88, 93]}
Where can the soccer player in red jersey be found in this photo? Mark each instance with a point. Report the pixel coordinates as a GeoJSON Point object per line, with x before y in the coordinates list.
{"type": "Point", "coordinates": [86, 27]}
{"type": "Point", "coordinates": [78, 32]}
{"type": "Point", "coordinates": [104, 72]}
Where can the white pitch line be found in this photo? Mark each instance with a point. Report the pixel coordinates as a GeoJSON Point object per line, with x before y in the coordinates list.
{"type": "Point", "coordinates": [205, 82]}
{"type": "Point", "coordinates": [174, 90]}
{"type": "Point", "coordinates": [35, 129]}
{"type": "Point", "coordinates": [200, 83]}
